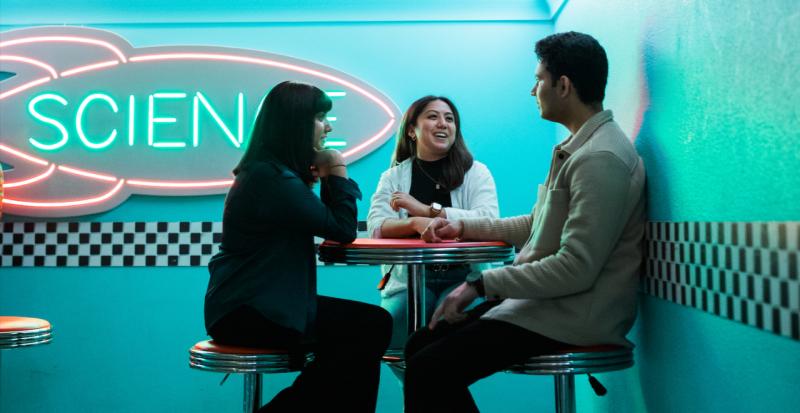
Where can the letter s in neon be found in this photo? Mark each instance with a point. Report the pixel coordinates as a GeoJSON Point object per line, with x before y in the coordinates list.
{"type": "Point", "coordinates": [50, 121]}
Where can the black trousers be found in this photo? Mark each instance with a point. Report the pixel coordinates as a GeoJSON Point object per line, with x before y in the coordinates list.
{"type": "Point", "coordinates": [442, 363]}
{"type": "Point", "coordinates": [350, 339]}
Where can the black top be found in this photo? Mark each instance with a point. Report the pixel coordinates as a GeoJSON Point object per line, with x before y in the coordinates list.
{"type": "Point", "coordinates": [424, 178]}
{"type": "Point", "coordinates": [267, 258]}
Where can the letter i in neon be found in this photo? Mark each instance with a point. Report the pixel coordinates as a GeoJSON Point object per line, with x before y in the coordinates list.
{"type": "Point", "coordinates": [131, 112]}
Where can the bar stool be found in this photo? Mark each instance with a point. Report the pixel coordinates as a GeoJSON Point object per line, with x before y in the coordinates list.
{"type": "Point", "coordinates": [566, 363]}
{"type": "Point", "coordinates": [210, 356]}
{"type": "Point", "coordinates": [24, 331]}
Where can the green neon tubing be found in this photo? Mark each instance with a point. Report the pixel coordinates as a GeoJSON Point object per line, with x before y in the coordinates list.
{"type": "Point", "coordinates": [151, 120]}
{"type": "Point", "coordinates": [79, 120]}
{"type": "Point", "coordinates": [200, 98]}
{"type": "Point", "coordinates": [50, 121]}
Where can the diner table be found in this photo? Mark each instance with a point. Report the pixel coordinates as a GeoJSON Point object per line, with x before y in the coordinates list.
{"type": "Point", "coordinates": [416, 254]}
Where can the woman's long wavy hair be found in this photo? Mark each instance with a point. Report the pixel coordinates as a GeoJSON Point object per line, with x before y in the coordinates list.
{"type": "Point", "coordinates": [284, 128]}
{"type": "Point", "coordinates": [458, 160]}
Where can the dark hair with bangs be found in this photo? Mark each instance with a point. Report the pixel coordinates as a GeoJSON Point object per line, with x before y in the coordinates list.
{"type": "Point", "coordinates": [284, 128]}
{"type": "Point", "coordinates": [458, 160]}
{"type": "Point", "coordinates": [579, 57]}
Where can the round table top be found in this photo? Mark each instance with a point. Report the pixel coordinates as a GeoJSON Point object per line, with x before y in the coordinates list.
{"type": "Point", "coordinates": [11, 324]}
{"type": "Point", "coordinates": [414, 251]}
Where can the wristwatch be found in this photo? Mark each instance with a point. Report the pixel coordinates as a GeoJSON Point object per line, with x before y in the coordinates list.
{"type": "Point", "coordinates": [436, 209]}
{"type": "Point", "coordinates": [475, 279]}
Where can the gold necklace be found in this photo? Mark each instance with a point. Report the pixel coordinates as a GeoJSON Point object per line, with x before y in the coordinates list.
{"type": "Point", "coordinates": [439, 185]}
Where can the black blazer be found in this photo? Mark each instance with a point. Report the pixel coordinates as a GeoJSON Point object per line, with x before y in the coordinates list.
{"type": "Point", "coordinates": [267, 258]}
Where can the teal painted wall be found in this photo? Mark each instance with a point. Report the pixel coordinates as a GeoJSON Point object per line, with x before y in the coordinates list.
{"type": "Point", "coordinates": [711, 93]}
{"type": "Point", "coordinates": [121, 335]}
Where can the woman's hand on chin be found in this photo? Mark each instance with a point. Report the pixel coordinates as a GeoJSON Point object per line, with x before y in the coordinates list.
{"type": "Point", "coordinates": [328, 162]}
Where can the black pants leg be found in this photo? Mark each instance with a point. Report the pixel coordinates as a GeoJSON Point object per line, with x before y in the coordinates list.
{"type": "Point", "coordinates": [350, 339]}
{"type": "Point", "coordinates": [442, 363]}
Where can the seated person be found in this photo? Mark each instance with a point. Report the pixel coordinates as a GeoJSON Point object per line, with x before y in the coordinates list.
{"type": "Point", "coordinates": [263, 286]}
{"type": "Point", "coordinates": [433, 175]}
{"type": "Point", "coordinates": [575, 279]}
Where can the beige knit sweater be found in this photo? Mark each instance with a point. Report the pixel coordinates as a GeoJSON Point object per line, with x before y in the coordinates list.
{"type": "Point", "coordinates": [575, 278]}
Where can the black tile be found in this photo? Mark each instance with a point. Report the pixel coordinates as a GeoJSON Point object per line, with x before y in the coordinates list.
{"type": "Point", "coordinates": [776, 321]}
{"type": "Point", "coordinates": [127, 260]}
{"type": "Point", "coordinates": [150, 260]}
{"type": "Point", "coordinates": [50, 250]}
{"type": "Point", "coordinates": [72, 249]}
{"type": "Point", "coordinates": [138, 227]}
{"type": "Point", "coordinates": [51, 227]}
{"type": "Point", "coordinates": [73, 227]}
{"type": "Point", "coordinates": [183, 249]}
{"type": "Point", "coordinates": [138, 249]}
{"type": "Point", "coordinates": [83, 260]}
{"type": "Point", "coordinates": [759, 315]}
{"type": "Point", "coordinates": [784, 294]}
{"type": "Point", "coordinates": [764, 235]}
{"type": "Point", "coordinates": [207, 226]}
{"type": "Point", "coordinates": [127, 238]}
{"type": "Point", "coordinates": [61, 238]}
{"type": "Point", "coordinates": [95, 227]}
{"type": "Point", "coordinates": [84, 238]}
{"type": "Point", "coordinates": [38, 261]}
{"type": "Point", "coordinates": [729, 310]}
{"type": "Point", "coordinates": [173, 238]}
{"type": "Point", "coordinates": [116, 249]}
{"type": "Point", "coordinates": [94, 249]}
{"type": "Point", "coordinates": [745, 315]}
{"type": "Point", "coordinates": [29, 227]}
{"type": "Point", "coordinates": [61, 261]}
{"type": "Point", "coordinates": [184, 226]}
{"type": "Point", "coordinates": [150, 238]}
{"type": "Point", "coordinates": [194, 260]}
{"type": "Point", "coordinates": [161, 249]}
{"type": "Point", "coordinates": [105, 260]}
{"type": "Point", "coordinates": [117, 227]}
{"type": "Point", "coordinates": [782, 244]}
{"type": "Point", "coordinates": [105, 238]}
{"type": "Point", "coordinates": [195, 238]}
{"type": "Point", "coordinates": [39, 238]}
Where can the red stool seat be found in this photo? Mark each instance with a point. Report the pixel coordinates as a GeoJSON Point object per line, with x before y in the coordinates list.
{"type": "Point", "coordinates": [24, 331]}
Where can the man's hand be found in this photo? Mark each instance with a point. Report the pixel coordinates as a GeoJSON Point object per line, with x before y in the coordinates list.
{"type": "Point", "coordinates": [441, 228]}
{"type": "Point", "coordinates": [409, 203]}
{"type": "Point", "coordinates": [452, 308]}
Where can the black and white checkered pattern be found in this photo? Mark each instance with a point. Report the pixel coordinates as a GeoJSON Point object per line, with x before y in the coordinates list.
{"type": "Point", "coordinates": [744, 271]}
{"type": "Point", "coordinates": [112, 244]}
{"type": "Point", "coordinates": [108, 244]}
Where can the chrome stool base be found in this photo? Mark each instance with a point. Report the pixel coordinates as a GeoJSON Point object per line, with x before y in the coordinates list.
{"type": "Point", "coordinates": [565, 364]}
{"type": "Point", "coordinates": [252, 362]}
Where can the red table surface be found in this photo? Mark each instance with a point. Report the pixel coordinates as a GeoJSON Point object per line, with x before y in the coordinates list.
{"type": "Point", "coordinates": [375, 243]}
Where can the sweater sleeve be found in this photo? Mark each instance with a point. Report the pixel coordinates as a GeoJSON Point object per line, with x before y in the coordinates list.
{"type": "Point", "coordinates": [514, 230]}
{"type": "Point", "coordinates": [379, 208]}
{"type": "Point", "coordinates": [599, 188]}
{"type": "Point", "coordinates": [333, 216]}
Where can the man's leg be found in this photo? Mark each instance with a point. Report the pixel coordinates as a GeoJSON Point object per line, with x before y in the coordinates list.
{"type": "Point", "coordinates": [441, 364]}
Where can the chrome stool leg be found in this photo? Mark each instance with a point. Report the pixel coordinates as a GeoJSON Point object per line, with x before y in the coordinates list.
{"type": "Point", "coordinates": [252, 392]}
{"type": "Point", "coordinates": [565, 393]}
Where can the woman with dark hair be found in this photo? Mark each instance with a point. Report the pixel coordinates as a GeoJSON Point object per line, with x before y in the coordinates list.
{"type": "Point", "coordinates": [263, 286]}
{"type": "Point", "coordinates": [432, 174]}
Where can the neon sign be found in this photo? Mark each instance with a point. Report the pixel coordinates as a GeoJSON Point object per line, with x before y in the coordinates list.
{"type": "Point", "coordinates": [88, 120]}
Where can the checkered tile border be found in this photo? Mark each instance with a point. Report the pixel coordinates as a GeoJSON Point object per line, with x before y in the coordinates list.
{"type": "Point", "coordinates": [111, 244]}
{"type": "Point", "coordinates": [744, 271]}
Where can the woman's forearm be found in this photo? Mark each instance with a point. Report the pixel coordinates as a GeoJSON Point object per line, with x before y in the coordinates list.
{"type": "Point", "coordinates": [399, 228]}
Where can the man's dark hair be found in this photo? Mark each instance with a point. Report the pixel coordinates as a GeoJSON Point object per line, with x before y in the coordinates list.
{"type": "Point", "coordinates": [284, 128]}
{"type": "Point", "coordinates": [579, 57]}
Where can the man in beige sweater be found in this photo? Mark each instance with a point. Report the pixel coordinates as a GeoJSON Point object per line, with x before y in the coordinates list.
{"type": "Point", "coordinates": [574, 280]}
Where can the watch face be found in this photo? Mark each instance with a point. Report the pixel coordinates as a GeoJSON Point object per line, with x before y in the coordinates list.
{"type": "Point", "coordinates": [436, 206]}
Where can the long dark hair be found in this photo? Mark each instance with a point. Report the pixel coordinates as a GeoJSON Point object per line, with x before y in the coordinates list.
{"type": "Point", "coordinates": [284, 128]}
{"type": "Point", "coordinates": [458, 160]}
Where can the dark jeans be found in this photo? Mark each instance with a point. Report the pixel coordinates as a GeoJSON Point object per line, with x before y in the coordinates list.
{"type": "Point", "coordinates": [350, 339]}
{"type": "Point", "coordinates": [442, 363]}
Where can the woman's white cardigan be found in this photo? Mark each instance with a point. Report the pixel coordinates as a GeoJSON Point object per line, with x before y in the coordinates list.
{"type": "Point", "coordinates": [476, 197]}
